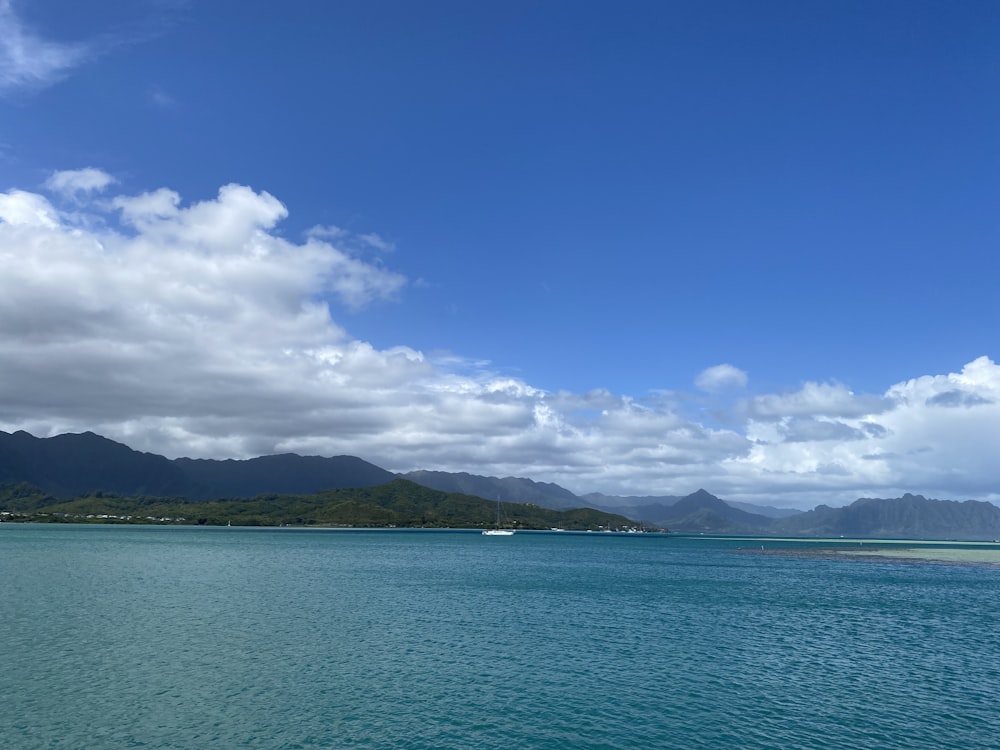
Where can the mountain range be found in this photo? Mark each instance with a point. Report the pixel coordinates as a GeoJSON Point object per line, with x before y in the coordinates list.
{"type": "Point", "coordinates": [72, 465]}
{"type": "Point", "coordinates": [75, 465]}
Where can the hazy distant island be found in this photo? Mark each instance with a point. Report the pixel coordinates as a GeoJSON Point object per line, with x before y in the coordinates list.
{"type": "Point", "coordinates": [86, 477]}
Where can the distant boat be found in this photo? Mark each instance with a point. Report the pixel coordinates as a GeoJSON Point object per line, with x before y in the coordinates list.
{"type": "Point", "coordinates": [498, 531]}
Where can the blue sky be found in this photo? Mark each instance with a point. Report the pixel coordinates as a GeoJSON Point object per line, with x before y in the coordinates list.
{"type": "Point", "coordinates": [637, 248]}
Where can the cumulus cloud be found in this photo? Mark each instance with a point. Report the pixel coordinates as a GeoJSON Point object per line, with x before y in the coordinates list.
{"type": "Point", "coordinates": [195, 328]}
{"type": "Point", "coordinates": [721, 377]}
{"type": "Point", "coordinates": [934, 434]}
{"type": "Point", "coordinates": [71, 183]}
{"type": "Point", "coordinates": [192, 322]}
{"type": "Point", "coordinates": [28, 61]}
{"type": "Point", "coordinates": [20, 208]}
{"type": "Point", "coordinates": [816, 399]}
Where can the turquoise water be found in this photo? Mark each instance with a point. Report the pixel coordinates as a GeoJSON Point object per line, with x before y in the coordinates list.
{"type": "Point", "coordinates": [196, 638]}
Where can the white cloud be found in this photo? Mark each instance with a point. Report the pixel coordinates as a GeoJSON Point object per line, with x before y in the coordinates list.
{"type": "Point", "coordinates": [976, 384]}
{"type": "Point", "coordinates": [20, 208]}
{"type": "Point", "coordinates": [143, 211]}
{"type": "Point", "coordinates": [816, 399]}
{"type": "Point", "coordinates": [71, 183]}
{"type": "Point", "coordinates": [196, 329]}
{"type": "Point", "coordinates": [721, 377]}
{"type": "Point", "coordinates": [28, 61]}
{"type": "Point", "coordinates": [934, 434]}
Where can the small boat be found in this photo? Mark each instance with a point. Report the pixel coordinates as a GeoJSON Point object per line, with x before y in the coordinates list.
{"type": "Point", "coordinates": [498, 531]}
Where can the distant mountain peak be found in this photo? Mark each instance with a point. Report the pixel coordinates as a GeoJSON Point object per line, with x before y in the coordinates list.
{"type": "Point", "coordinates": [701, 499]}
{"type": "Point", "coordinates": [703, 494]}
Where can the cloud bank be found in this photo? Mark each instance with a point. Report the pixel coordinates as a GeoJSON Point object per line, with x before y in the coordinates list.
{"type": "Point", "coordinates": [196, 329]}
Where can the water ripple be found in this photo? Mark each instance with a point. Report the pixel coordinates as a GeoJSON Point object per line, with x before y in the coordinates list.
{"type": "Point", "coordinates": [192, 639]}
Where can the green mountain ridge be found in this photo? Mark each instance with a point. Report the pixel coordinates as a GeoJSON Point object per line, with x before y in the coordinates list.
{"type": "Point", "coordinates": [80, 475]}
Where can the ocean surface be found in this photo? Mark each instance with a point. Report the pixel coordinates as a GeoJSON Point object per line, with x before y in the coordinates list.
{"type": "Point", "coordinates": [198, 638]}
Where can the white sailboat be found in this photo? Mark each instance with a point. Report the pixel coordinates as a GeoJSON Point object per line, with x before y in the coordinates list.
{"type": "Point", "coordinates": [498, 531]}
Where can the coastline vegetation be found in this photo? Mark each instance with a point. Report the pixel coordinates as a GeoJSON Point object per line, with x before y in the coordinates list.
{"type": "Point", "coordinates": [396, 504]}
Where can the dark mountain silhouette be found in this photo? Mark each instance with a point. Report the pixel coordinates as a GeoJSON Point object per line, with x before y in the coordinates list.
{"type": "Point", "coordinates": [698, 512]}
{"type": "Point", "coordinates": [508, 489]}
{"type": "Point", "coordinates": [76, 464]}
{"type": "Point", "coordinates": [286, 473]}
{"type": "Point", "coordinates": [906, 517]}
{"type": "Point", "coordinates": [702, 511]}
{"type": "Point", "coordinates": [72, 465]}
